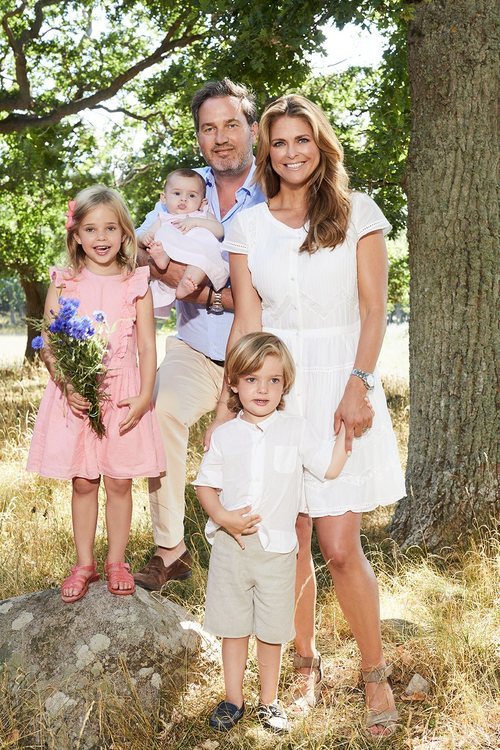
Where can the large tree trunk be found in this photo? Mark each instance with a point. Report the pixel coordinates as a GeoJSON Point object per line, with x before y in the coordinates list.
{"type": "Point", "coordinates": [35, 292]}
{"type": "Point", "coordinates": [452, 225]}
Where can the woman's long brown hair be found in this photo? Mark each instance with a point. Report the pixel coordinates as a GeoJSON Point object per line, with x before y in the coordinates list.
{"type": "Point", "coordinates": [328, 195]}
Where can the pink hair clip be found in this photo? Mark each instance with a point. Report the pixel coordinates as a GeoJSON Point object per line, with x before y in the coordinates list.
{"type": "Point", "coordinates": [69, 214]}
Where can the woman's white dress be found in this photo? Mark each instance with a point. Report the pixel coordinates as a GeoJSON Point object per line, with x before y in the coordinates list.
{"type": "Point", "coordinates": [311, 303]}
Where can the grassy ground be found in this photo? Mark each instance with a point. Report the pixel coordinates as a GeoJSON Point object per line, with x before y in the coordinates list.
{"type": "Point", "coordinates": [448, 636]}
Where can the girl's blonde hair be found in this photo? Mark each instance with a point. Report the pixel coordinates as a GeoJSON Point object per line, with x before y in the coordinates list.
{"type": "Point", "coordinates": [328, 194]}
{"type": "Point", "coordinates": [85, 201]}
{"type": "Point", "coordinates": [248, 355]}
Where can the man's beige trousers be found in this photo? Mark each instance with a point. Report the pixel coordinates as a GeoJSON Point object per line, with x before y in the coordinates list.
{"type": "Point", "coordinates": [188, 385]}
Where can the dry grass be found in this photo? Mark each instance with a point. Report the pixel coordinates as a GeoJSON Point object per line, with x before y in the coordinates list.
{"type": "Point", "coordinates": [448, 608]}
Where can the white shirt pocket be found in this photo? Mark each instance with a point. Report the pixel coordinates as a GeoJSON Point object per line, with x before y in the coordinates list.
{"type": "Point", "coordinates": [285, 458]}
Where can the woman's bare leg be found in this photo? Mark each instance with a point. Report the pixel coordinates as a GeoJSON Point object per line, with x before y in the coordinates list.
{"type": "Point", "coordinates": [357, 592]}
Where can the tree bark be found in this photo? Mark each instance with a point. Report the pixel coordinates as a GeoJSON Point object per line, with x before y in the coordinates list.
{"type": "Point", "coordinates": [35, 292]}
{"type": "Point", "coordinates": [452, 226]}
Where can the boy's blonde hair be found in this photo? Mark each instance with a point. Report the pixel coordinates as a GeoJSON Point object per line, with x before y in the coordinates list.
{"type": "Point", "coordinates": [248, 355]}
{"type": "Point", "coordinates": [85, 201]}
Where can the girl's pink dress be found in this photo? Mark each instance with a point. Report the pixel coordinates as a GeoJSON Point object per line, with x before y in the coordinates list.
{"type": "Point", "coordinates": [63, 445]}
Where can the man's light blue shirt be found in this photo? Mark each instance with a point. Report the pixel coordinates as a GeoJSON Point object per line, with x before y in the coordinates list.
{"type": "Point", "coordinates": [204, 331]}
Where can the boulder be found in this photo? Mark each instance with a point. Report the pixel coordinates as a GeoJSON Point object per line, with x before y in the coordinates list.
{"type": "Point", "coordinates": [62, 658]}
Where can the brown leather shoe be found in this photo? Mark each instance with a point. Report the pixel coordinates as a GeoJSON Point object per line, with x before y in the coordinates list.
{"type": "Point", "coordinates": [156, 574]}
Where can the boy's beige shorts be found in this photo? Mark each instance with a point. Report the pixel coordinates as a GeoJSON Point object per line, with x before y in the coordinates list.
{"type": "Point", "coordinates": [250, 591]}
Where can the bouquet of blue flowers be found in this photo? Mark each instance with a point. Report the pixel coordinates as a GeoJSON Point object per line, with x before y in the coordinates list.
{"type": "Point", "coordinates": [78, 344]}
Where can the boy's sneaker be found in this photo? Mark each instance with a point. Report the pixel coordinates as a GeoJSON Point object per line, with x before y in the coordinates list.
{"type": "Point", "coordinates": [225, 715]}
{"type": "Point", "coordinates": [273, 717]}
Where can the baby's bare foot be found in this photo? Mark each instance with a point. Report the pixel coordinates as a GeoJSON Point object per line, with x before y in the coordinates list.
{"type": "Point", "coordinates": [185, 287]}
{"type": "Point", "coordinates": [158, 254]}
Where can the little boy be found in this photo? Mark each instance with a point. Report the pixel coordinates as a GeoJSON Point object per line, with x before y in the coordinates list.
{"type": "Point", "coordinates": [189, 234]}
{"type": "Point", "coordinates": [250, 484]}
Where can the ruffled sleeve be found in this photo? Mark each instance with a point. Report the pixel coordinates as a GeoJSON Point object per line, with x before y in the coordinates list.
{"type": "Point", "coordinates": [64, 280]}
{"type": "Point", "coordinates": [136, 286]}
{"type": "Point", "coordinates": [235, 240]}
{"type": "Point", "coordinates": [367, 216]}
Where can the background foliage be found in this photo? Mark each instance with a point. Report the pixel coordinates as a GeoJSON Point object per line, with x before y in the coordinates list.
{"type": "Point", "coordinates": [142, 61]}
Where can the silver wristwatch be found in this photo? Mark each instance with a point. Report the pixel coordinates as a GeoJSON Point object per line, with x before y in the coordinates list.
{"type": "Point", "coordinates": [366, 377]}
{"type": "Point", "coordinates": [217, 306]}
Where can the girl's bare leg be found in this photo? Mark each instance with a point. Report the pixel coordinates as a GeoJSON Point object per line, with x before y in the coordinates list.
{"type": "Point", "coordinates": [234, 661]}
{"type": "Point", "coordinates": [118, 520]}
{"type": "Point", "coordinates": [357, 592]}
{"type": "Point", "coordinates": [84, 510]}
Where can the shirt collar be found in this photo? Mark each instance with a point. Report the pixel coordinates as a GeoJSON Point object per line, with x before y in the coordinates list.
{"type": "Point", "coordinates": [262, 426]}
{"type": "Point", "coordinates": [248, 186]}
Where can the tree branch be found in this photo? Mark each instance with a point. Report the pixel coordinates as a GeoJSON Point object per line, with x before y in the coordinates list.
{"type": "Point", "coordinates": [131, 174]}
{"type": "Point", "coordinates": [129, 113]}
{"type": "Point", "coordinates": [16, 122]}
{"type": "Point", "coordinates": [23, 97]}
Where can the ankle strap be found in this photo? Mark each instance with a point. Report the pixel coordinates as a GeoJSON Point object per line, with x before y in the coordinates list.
{"type": "Point", "coordinates": [307, 662]}
{"type": "Point", "coordinates": [379, 674]}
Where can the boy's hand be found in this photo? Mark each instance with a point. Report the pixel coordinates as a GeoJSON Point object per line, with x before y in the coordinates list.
{"type": "Point", "coordinates": [184, 225]}
{"type": "Point", "coordinates": [77, 403]}
{"type": "Point", "coordinates": [239, 522]}
{"type": "Point", "coordinates": [138, 407]}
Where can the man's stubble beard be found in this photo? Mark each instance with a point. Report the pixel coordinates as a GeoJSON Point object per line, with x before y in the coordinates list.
{"type": "Point", "coordinates": [231, 167]}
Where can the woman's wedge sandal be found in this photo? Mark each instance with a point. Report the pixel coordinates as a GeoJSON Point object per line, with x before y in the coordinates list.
{"type": "Point", "coordinates": [303, 702]}
{"type": "Point", "coordinates": [388, 719]}
{"type": "Point", "coordinates": [80, 578]}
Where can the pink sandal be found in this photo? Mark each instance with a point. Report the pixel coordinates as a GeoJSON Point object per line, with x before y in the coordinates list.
{"type": "Point", "coordinates": [116, 573]}
{"type": "Point", "coordinates": [78, 579]}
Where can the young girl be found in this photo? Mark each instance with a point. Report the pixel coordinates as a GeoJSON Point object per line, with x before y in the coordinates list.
{"type": "Point", "coordinates": [184, 198]}
{"type": "Point", "coordinates": [102, 275]}
{"type": "Point", "coordinates": [250, 483]}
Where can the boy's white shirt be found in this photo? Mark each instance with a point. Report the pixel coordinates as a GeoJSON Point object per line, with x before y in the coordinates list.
{"type": "Point", "coordinates": [262, 465]}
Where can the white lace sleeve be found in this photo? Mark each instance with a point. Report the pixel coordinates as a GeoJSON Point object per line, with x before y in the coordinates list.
{"type": "Point", "coordinates": [235, 240]}
{"type": "Point", "coordinates": [367, 216]}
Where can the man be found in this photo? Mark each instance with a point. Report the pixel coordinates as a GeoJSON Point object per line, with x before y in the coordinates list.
{"type": "Point", "coordinates": [189, 380]}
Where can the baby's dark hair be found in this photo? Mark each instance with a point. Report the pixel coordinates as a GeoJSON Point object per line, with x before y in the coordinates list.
{"type": "Point", "coordinates": [248, 355]}
{"type": "Point", "coordinates": [191, 174]}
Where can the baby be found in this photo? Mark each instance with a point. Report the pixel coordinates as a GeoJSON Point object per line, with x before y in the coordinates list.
{"type": "Point", "coordinates": [189, 233]}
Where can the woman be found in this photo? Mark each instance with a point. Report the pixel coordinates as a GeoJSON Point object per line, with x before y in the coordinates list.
{"type": "Point", "coordinates": [310, 265]}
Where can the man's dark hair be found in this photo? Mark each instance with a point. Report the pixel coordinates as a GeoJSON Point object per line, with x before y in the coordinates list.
{"type": "Point", "coordinates": [226, 87]}
{"type": "Point", "coordinates": [183, 172]}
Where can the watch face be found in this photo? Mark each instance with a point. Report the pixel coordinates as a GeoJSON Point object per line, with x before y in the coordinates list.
{"type": "Point", "coordinates": [370, 380]}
